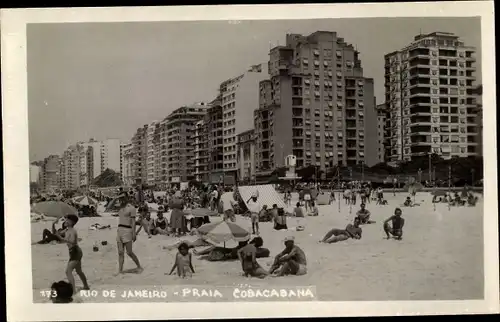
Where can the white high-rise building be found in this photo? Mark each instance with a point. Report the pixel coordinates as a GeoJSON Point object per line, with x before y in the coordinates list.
{"type": "Point", "coordinates": [429, 93]}
{"type": "Point", "coordinates": [102, 155]}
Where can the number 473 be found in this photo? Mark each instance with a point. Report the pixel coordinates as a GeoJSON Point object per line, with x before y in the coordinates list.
{"type": "Point", "coordinates": [50, 293]}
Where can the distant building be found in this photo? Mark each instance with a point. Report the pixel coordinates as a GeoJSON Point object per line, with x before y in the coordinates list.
{"type": "Point", "coordinates": [139, 155]}
{"type": "Point", "coordinates": [208, 144]}
{"type": "Point", "coordinates": [429, 89]}
{"type": "Point", "coordinates": [239, 98]}
{"type": "Point", "coordinates": [177, 150]}
{"type": "Point", "coordinates": [70, 167]}
{"type": "Point", "coordinates": [478, 92]}
{"type": "Point", "coordinates": [246, 156]}
{"type": "Point", "coordinates": [128, 177]}
{"type": "Point", "coordinates": [317, 105]}
{"type": "Point", "coordinates": [383, 125]}
{"type": "Point", "coordinates": [35, 173]}
{"type": "Point", "coordinates": [49, 177]}
{"type": "Point", "coordinates": [101, 155]}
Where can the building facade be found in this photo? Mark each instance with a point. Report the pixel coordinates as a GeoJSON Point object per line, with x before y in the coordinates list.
{"type": "Point", "coordinates": [49, 177]}
{"type": "Point", "coordinates": [178, 130]}
{"type": "Point", "coordinates": [429, 87]}
{"type": "Point", "coordinates": [70, 167]}
{"type": "Point", "coordinates": [101, 155]}
{"type": "Point", "coordinates": [246, 156]}
{"type": "Point", "coordinates": [239, 98]}
{"type": "Point", "coordinates": [152, 153]}
{"type": "Point", "coordinates": [383, 126]}
{"type": "Point", "coordinates": [316, 105]}
{"type": "Point", "coordinates": [479, 118]}
{"type": "Point", "coordinates": [128, 177]}
{"type": "Point", "coordinates": [139, 155]}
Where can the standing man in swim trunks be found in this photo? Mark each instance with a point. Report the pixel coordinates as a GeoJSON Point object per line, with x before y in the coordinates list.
{"type": "Point", "coordinates": [75, 252]}
{"type": "Point", "coordinates": [396, 229]}
{"type": "Point", "coordinates": [254, 208]}
{"type": "Point", "coordinates": [126, 233]}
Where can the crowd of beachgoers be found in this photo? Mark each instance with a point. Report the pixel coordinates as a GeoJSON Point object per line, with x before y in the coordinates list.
{"type": "Point", "coordinates": [189, 212]}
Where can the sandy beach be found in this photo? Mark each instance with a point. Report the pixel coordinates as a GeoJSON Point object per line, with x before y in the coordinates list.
{"type": "Point", "coordinates": [440, 257]}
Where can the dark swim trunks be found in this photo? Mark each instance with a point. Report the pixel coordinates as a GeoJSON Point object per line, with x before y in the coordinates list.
{"type": "Point", "coordinates": [75, 253]}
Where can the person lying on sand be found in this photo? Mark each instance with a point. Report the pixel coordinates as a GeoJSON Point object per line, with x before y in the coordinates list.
{"type": "Point", "coordinates": [396, 227]}
{"type": "Point", "coordinates": [364, 215]}
{"type": "Point", "coordinates": [50, 236]}
{"type": "Point", "coordinates": [248, 258]}
{"type": "Point", "coordinates": [183, 262]}
{"type": "Point", "coordinates": [291, 261]}
{"type": "Point", "coordinates": [351, 231]}
{"type": "Point", "coordinates": [75, 252]}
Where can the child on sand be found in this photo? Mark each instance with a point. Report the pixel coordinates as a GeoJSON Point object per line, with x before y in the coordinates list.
{"type": "Point", "coordinates": [396, 229]}
{"type": "Point", "coordinates": [183, 262]}
{"type": "Point", "coordinates": [75, 252]}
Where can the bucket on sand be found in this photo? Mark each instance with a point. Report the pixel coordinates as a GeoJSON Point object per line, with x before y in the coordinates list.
{"type": "Point", "coordinates": [104, 243]}
{"type": "Point", "coordinates": [95, 249]}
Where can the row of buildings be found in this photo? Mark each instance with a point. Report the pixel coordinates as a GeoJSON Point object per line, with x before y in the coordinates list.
{"type": "Point", "coordinates": [315, 103]}
{"type": "Point", "coordinates": [78, 165]}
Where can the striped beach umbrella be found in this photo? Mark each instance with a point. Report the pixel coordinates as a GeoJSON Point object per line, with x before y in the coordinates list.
{"type": "Point", "coordinates": [54, 209]}
{"type": "Point", "coordinates": [85, 201]}
{"type": "Point", "coordinates": [224, 231]}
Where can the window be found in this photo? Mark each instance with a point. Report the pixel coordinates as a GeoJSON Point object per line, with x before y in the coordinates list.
{"type": "Point", "coordinates": [338, 53]}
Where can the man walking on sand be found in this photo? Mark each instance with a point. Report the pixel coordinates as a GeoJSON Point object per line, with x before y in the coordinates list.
{"type": "Point", "coordinates": [126, 234]}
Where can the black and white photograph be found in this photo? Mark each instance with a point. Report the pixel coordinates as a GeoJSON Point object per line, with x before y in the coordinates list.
{"type": "Point", "coordinates": [313, 164]}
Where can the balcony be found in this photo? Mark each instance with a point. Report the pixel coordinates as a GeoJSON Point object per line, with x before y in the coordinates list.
{"type": "Point", "coordinates": [419, 52]}
{"type": "Point", "coordinates": [417, 61]}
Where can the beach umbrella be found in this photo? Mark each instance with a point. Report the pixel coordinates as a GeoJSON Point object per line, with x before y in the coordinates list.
{"type": "Point", "coordinates": [54, 209]}
{"type": "Point", "coordinates": [224, 231]}
{"type": "Point", "coordinates": [85, 201]}
{"type": "Point", "coordinates": [201, 212]}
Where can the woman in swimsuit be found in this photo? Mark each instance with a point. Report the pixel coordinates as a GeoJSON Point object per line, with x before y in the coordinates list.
{"type": "Point", "coordinates": [126, 233]}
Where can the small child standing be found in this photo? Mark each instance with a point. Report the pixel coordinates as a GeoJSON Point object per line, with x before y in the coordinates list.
{"type": "Point", "coordinates": [75, 252]}
{"type": "Point", "coordinates": [183, 262]}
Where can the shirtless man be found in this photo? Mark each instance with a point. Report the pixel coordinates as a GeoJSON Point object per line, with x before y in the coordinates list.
{"type": "Point", "coordinates": [126, 233]}
{"type": "Point", "coordinates": [291, 261]}
{"type": "Point", "coordinates": [396, 227]}
{"type": "Point", "coordinates": [336, 235]}
{"type": "Point", "coordinates": [364, 215]}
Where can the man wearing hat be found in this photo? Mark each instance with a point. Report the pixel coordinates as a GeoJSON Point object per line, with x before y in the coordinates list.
{"type": "Point", "coordinates": [254, 208]}
{"type": "Point", "coordinates": [291, 261]}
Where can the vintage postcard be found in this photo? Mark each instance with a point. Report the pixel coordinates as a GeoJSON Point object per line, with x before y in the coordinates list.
{"type": "Point", "coordinates": [292, 160]}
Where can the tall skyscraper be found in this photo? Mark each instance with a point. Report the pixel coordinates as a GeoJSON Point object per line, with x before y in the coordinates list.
{"type": "Point", "coordinates": [317, 105]}
{"type": "Point", "coordinates": [429, 91]}
{"type": "Point", "coordinates": [239, 98]}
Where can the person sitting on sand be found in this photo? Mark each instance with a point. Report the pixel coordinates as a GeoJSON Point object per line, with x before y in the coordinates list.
{"type": "Point", "coordinates": [291, 261]}
{"type": "Point", "coordinates": [396, 227]}
{"type": "Point", "coordinates": [50, 236]}
{"type": "Point", "coordinates": [183, 262]}
{"type": "Point", "coordinates": [280, 219]}
{"type": "Point", "coordinates": [160, 224]}
{"type": "Point", "coordinates": [351, 231]}
{"type": "Point", "coordinates": [298, 211]}
{"type": "Point", "coordinates": [248, 258]}
{"type": "Point", "coordinates": [75, 252]}
{"type": "Point", "coordinates": [147, 223]}
{"type": "Point", "coordinates": [407, 202]}
{"type": "Point", "coordinates": [364, 215]}
{"type": "Point", "coordinates": [471, 200]}
{"type": "Point", "coordinates": [314, 210]}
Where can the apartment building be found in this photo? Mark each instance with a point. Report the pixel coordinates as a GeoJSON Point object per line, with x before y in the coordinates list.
{"type": "Point", "coordinates": [35, 173]}
{"type": "Point", "coordinates": [478, 92]}
{"type": "Point", "coordinates": [383, 126]}
{"type": "Point", "coordinates": [153, 153]}
{"type": "Point", "coordinates": [316, 105]}
{"type": "Point", "coordinates": [70, 172]}
{"type": "Point", "coordinates": [200, 150]}
{"type": "Point", "coordinates": [429, 91]}
{"type": "Point", "coordinates": [176, 142]}
{"type": "Point", "coordinates": [246, 156]}
{"type": "Point", "coordinates": [239, 98]}
{"type": "Point", "coordinates": [139, 155]}
{"type": "Point", "coordinates": [128, 177]}
{"type": "Point", "coordinates": [49, 176]}
{"type": "Point", "coordinates": [101, 155]}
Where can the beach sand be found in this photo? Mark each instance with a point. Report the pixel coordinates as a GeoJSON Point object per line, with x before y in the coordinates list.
{"type": "Point", "coordinates": [440, 257]}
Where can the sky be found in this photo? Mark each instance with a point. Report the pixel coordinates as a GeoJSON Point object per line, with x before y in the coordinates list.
{"type": "Point", "coordinates": [104, 80]}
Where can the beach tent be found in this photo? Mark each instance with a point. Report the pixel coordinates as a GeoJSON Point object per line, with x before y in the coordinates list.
{"type": "Point", "coordinates": [267, 195]}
